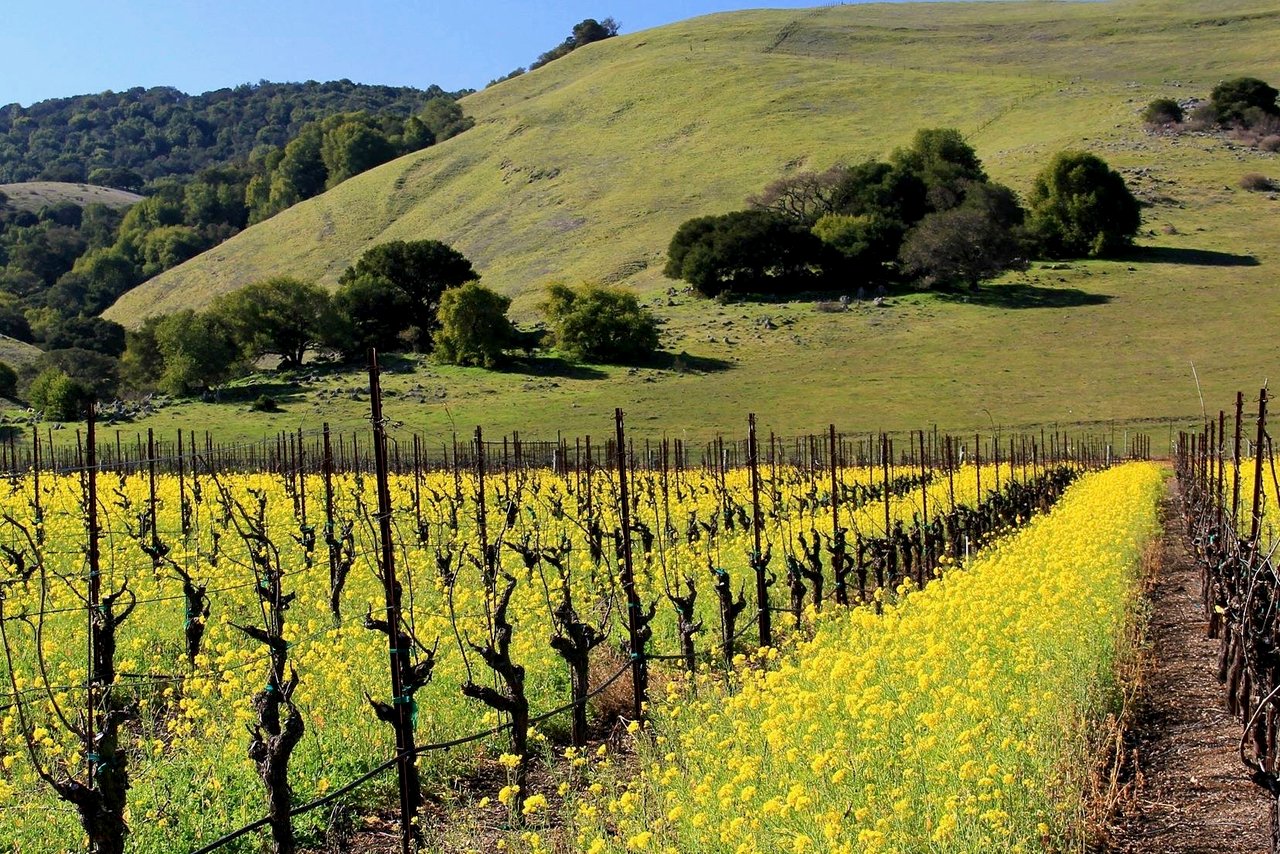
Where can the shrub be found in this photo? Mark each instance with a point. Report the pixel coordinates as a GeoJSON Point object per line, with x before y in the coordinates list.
{"type": "Point", "coordinates": [1244, 100]}
{"type": "Point", "coordinates": [1270, 143]}
{"type": "Point", "coordinates": [1256, 182]}
{"type": "Point", "coordinates": [1162, 111]}
{"type": "Point", "coordinates": [1202, 117]}
{"type": "Point", "coordinates": [600, 324]}
{"type": "Point", "coordinates": [474, 329]}
{"type": "Point", "coordinates": [265, 403]}
{"type": "Point", "coordinates": [1082, 207]}
{"type": "Point", "coordinates": [958, 248]}
{"type": "Point", "coordinates": [58, 396]}
{"type": "Point", "coordinates": [868, 243]}
{"type": "Point", "coordinates": [747, 252]}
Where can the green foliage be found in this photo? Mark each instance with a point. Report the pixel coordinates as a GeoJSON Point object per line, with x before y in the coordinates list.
{"type": "Point", "coordinates": [128, 139]}
{"type": "Point", "coordinates": [280, 316]}
{"type": "Point", "coordinates": [265, 403]}
{"type": "Point", "coordinates": [443, 119]}
{"type": "Point", "coordinates": [8, 382]}
{"type": "Point", "coordinates": [600, 324]}
{"type": "Point", "coordinates": [1082, 207]}
{"type": "Point", "coordinates": [169, 246]}
{"type": "Point", "coordinates": [747, 252]}
{"type": "Point", "coordinates": [474, 329]}
{"type": "Point", "coordinates": [58, 396]}
{"type": "Point", "coordinates": [84, 333]}
{"type": "Point", "coordinates": [1163, 111]}
{"type": "Point", "coordinates": [415, 274]}
{"type": "Point", "coordinates": [868, 243]}
{"type": "Point", "coordinates": [942, 160]}
{"type": "Point", "coordinates": [369, 312]}
{"type": "Point", "coordinates": [179, 353]}
{"type": "Point", "coordinates": [196, 351]}
{"type": "Point", "coordinates": [351, 148]}
{"type": "Point", "coordinates": [958, 248]}
{"type": "Point", "coordinates": [585, 32]}
{"type": "Point", "coordinates": [99, 373]}
{"type": "Point", "coordinates": [1244, 101]}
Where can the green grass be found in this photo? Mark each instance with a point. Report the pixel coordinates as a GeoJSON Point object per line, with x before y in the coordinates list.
{"type": "Point", "coordinates": [15, 353]}
{"type": "Point", "coordinates": [583, 169]}
{"type": "Point", "coordinates": [34, 195]}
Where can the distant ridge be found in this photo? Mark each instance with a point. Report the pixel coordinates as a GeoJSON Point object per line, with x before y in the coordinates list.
{"type": "Point", "coordinates": [33, 195]}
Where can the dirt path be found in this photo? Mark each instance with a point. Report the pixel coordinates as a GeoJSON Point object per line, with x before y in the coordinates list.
{"type": "Point", "coordinates": [1193, 795]}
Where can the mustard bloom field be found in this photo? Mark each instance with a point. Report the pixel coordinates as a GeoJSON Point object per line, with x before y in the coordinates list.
{"type": "Point", "coordinates": [951, 721]}
{"type": "Point", "coordinates": [957, 720]}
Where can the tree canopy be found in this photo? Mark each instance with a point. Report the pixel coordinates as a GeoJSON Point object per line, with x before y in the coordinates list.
{"type": "Point", "coordinates": [1081, 207]}
{"type": "Point", "coordinates": [413, 275]}
{"type": "Point", "coordinates": [474, 329]}
{"type": "Point", "coordinates": [280, 316]}
{"type": "Point", "coordinates": [757, 251]}
{"type": "Point", "coordinates": [132, 138]}
{"type": "Point", "coordinates": [594, 323]}
{"type": "Point", "coordinates": [1244, 100]}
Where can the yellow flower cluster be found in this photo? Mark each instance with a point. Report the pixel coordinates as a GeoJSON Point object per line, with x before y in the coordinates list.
{"type": "Point", "coordinates": [191, 779]}
{"type": "Point", "coordinates": [955, 721]}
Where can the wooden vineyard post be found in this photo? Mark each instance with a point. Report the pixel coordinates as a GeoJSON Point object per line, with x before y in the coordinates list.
{"type": "Point", "coordinates": [924, 512]}
{"type": "Point", "coordinates": [151, 496]}
{"type": "Point", "coordinates": [839, 557]}
{"type": "Point", "coordinates": [759, 559]}
{"type": "Point", "coordinates": [1235, 481]}
{"type": "Point", "coordinates": [951, 472]}
{"type": "Point", "coordinates": [184, 508]}
{"type": "Point", "coordinates": [1255, 529]}
{"type": "Point", "coordinates": [406, 767]}
{"type": "Point", "coordinates": [637, 626]}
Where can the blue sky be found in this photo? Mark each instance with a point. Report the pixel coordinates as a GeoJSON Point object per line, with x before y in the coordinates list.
{"type": "Point", "coordinates": [56, 48]}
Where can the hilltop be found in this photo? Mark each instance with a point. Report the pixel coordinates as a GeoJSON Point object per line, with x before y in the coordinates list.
{"type": "Point", "coordinates": [582, 169]}
{"type": "Point", "coordinates": [34, 195]}
{"type": "Point", "coordinates": [126, 139]}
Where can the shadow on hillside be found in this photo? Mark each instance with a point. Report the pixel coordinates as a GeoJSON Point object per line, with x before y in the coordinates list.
{"type": "Point", "coordinates": [683, 363]}
{"type": "Point", "coordinates": [553, 366]}
{"type": "Point", "coordinates": [560, 368]}
{"type": "Point", "coordinates": [1027, 296]}
{"type": "Point", "coordinates": [1192, 257]}
{"type": "Point", "coordinates": [282, 391]}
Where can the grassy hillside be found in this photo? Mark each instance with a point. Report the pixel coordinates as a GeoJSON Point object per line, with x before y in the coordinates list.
{"type": "Point", "coordinates": [33, 195]}
{"type": "Point", "coordinates": [583, 169]}
{"type": "Point", "coordinates": [15, 353]}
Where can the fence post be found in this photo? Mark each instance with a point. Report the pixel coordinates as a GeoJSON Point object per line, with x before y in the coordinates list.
{"type": "Point", "coordinates": [759, 560]}
{"type": "Point", "coordinates": [1235, 480]}
{"type": "Point", "coordinates": [403, 720]}
{"type": "Point", "coordinates": [639, 668]}
{"type": "Point", "coordinates": [1256, 528]}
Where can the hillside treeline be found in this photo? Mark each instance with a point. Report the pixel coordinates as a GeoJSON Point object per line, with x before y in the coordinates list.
{"type": "Point", "coordinates": [67, 263]}
{"type": "Point", "coordinates": [129, 139]}
{"type": "Point", "coordinates": [929, 216]}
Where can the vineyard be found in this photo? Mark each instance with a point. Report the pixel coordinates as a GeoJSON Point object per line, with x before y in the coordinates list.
{"type": "Point", "coordinates": [1230, 491]}
{"type": "Point", "coordinates": [596, 649]}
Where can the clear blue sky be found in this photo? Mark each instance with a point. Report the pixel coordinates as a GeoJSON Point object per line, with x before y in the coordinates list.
{"type": "Point", "coordinates": [56, 48]}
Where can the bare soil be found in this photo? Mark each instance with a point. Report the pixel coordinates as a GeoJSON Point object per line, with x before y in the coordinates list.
{"type": "Point", "coordinates": [1191, 794]}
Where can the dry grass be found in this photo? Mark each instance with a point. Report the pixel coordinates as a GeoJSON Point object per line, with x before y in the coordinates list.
{"type": "Point", "coordinates": [34, 195]}
{"type": "Point", "coordinates": [1256, 182]}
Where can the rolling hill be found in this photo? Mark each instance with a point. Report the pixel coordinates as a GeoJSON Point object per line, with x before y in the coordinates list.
{"type": "Point", "coordinates": [33, 195]}
{"type": "Point", "coordinates": [583, 169]}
